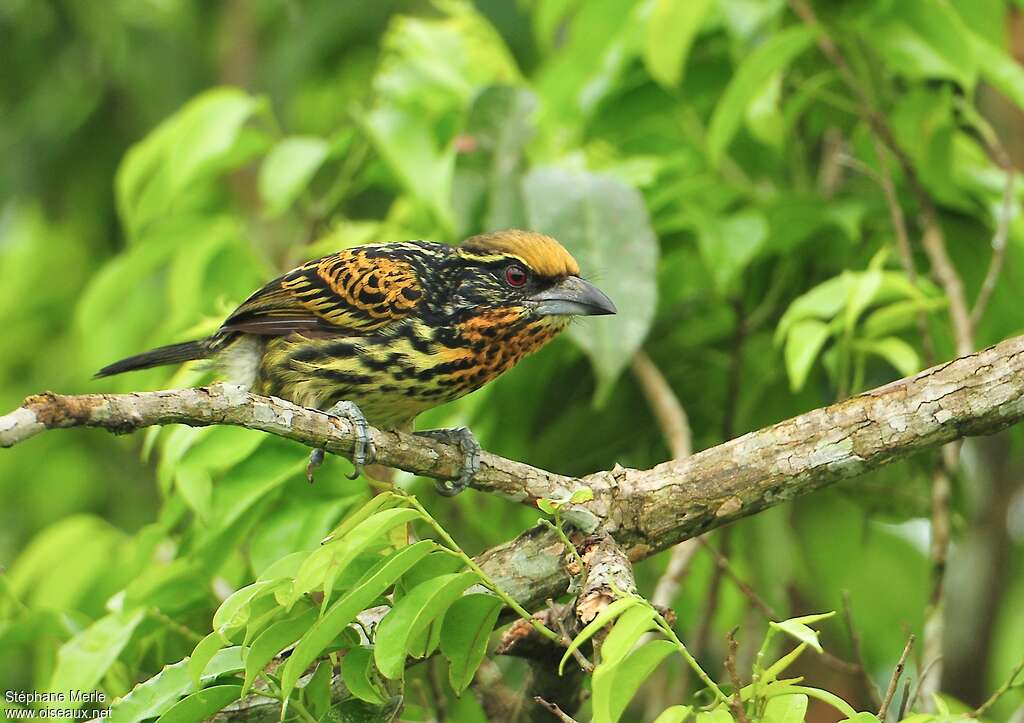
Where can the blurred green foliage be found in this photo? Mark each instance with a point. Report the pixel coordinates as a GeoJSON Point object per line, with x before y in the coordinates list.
{"type": "Point", "coordinates": [707, 165]}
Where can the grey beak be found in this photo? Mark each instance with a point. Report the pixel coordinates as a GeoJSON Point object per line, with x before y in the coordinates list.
{"type": "Point", "coordinates": [572, 297]}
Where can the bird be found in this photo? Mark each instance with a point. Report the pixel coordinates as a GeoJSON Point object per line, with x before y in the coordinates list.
{"type": "Point", "coordinates": [380, 332]}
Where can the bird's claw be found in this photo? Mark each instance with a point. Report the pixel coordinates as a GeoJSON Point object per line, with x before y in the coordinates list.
{"type": "Point", "coordinates": [470, 457]}
{"type": "Point", "coordinates": [362, 454]}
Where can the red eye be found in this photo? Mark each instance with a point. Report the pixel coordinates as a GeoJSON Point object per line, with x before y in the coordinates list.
{"type": "Point", "coordinates": [515, 275]}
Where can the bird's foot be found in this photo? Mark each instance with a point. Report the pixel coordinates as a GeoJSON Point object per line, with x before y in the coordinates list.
{"type": "Point", "coordinates": [470, 457]}
{"type": "Point", "coordinates": [363, 452]}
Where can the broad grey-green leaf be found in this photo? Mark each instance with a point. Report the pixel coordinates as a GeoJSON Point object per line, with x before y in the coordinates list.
{"type": "Point", "coordinates": [341, 614]}
{"type": "Point", "coordinates": [604, 224]}
{"type": "Point", "coordinates": [729, 244]}
{"type": "Point", "coordinates": [615, 684]}
{"type": "Point", "coordinates": [201, 705]}
{"type": "Point", "coordinates": [803, 343]}
{"type": "Point", "coordinates": [410, 617]}
{"type": "Point", "coordinates": [152, 697]}
{"type": "Point", "coordinates": [670, 30]}
{"type": "Point", "coordinates": [767, 59]}
{"type": "Point", "coordinates": [288, 169]}
{"type": "Point", "coordinates": [467, 626]}
{"type": "Point", "coordinates": [786, 709]}
{"type": "Point", "coordinates": [487, 193]}
{"type": "Point", "coordinates": [84, 660]}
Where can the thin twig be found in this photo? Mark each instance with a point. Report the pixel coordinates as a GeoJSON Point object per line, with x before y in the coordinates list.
{"type": "Point", "coordinates": [998, 259]}
{"type": "Point", "coordinates": [702, 633]}
{"type": "Point", "coordinates": [735, 700]}
{"type": "Point", "coordinates": [667, 409]}
{"type": "Point", "coordinates": [890, 692]}
{"type": "Point", "coordinates": [1000, 691]}
{"type": "Point", "coordinates": [556, 618]}
{"type": "Point", "coordinates": [554, 710]}
{"type": "Point", "coordinates": [858, 653]}
{"type": "Point", "coordinates": [722, 562]}
{"type": "Point", "coordinates": [904, 700]}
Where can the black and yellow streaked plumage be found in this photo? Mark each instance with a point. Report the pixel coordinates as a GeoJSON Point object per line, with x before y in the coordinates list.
{"type": "Point", "coordinates": [396, 328]}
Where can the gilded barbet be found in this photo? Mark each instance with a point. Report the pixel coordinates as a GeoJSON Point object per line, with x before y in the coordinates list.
{"type": "Point", "coordinates": [382, 332]}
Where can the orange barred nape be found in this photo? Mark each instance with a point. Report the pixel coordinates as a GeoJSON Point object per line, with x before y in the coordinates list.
{"type": "Point", "coordinates": [541, 253]}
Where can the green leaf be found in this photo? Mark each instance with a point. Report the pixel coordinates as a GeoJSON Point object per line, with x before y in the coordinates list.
{"type": "Point", "coordinates": [318, 690]}
{"type": "Point", "coordinates": [775, 669]}
{"type": "Point", "coordinates": [84, 660]}
{"type": "Point", "coordinates": [233, 613]}
{"type": "Point", "coordinates": [410, 617]}
{"type": "Point", "coordinates": [999, 68]}
{"type": "Point", "coordinates": [797, 628]}
{"type": "Point", "coordinates": [729, 244]}
{"type": "Point", "coordinates": [323, 565]}
{"type": "Point", "coordinates": [357, 675]}
{"type": "Point", "coordinates": [895, 351]}
{"type": "Point", "coordinates": [786, 709]}
{"type": "Point", "coordinates": [288, 169]}
{"type": "Point", "coordinates": [899, 316]}
{"type": "Point", "coordinates": [278, 636]}
{"type": "Point", "coordinates": [202, 655]}
{"type": "Point", "coordinates": [201, 705]}
{"type": "Point", "coordinates": [675, 714]}
{"type": "Point", "coordinates": [375, 504]}
{"type": "Point", "coordinates": [548, 507]}
{"type": "Point", "coordinates": [190, 146]}
{"type": "Point", "coordinates": [604, 224]}
{"type": "Point", "coordinates": [604, 617]}
{"type": "Point", "coordinates": [196, 487]}
{"type": "Point", "coordinates": [152, 697]}
{"type": "Point", "coordinates": [627, 630]}
{"type": "Point", "coordinates": [583, 494]}
{"type": "Point", "coordinates": [865, 717]}
{"type": "Point", "coordinates": [718, 715]}
{"type": "Point", "coordinates": [865, 290]}
{"type": "Point", "coordinates": [824, 301]}
{"type": "Point", "coordinates": [769, 58]}
{"type": "Point", "coordinates": [925, 39]}
{"type": "Point", "coordinates": [615, 684]}
{"type": "Point", "coordinates": [464, 634]}
{"type": "Point", "coordinates": [803, 343]}
{"type": "Point", "coordinates": [341, 614]}
{"type": "Point", "coordinates": [670, 30]}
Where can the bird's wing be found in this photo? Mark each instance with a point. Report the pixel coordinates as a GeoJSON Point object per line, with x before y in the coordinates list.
{"type": "Point", "coordinates": [353, 291]}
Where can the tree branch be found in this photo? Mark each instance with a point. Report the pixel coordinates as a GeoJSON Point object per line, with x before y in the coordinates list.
{"type": "Point", "coordinates": [646, 510]}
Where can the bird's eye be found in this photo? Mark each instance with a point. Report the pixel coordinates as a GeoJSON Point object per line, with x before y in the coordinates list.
{"type": "Point", "coordinates": [515, 275]}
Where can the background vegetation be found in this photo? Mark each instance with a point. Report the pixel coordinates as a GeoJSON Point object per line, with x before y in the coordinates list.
{"type": "Point", "coordinates": [714, 170]}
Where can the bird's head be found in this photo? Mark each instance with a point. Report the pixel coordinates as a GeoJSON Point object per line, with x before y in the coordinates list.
{"type": "Point", "coordinates": [528, 274]}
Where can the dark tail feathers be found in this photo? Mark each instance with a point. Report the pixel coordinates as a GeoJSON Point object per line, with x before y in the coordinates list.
{"type": "Point", "coordinates": [171, 354]}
